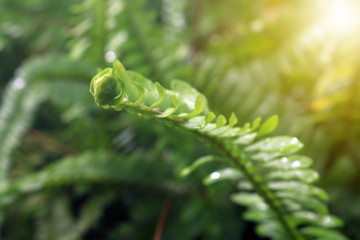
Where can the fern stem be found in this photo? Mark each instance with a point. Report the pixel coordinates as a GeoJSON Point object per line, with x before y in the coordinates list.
{"type": "Point", "coordinates": [50, 144]}
{"type": "Point", "coordinates": [162, 218]}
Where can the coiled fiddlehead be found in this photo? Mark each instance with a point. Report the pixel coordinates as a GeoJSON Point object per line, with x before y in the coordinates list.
{"type": "Point", "coordinates": [276, 184]}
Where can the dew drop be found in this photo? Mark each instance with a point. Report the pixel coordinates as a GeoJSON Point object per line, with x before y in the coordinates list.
{"type": "Point", "coordinates": [296, 164]}
{"type": "Point", "coordinates": [214, 175]}
{"type": "Point", "coordinates": [262, 206]}
{"type": "Point", "coordinates": [294, 140]}
{"type": "Point", "coordinates": [110, 56]}
{"type": "Point", "coordinates": [311, 215]}
{"type": "Point", "coordinates": [327, 219]}
{"type": "Point", "coordinates": [18, 83]}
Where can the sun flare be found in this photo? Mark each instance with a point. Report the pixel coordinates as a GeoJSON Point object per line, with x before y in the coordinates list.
{"type": "Point", "coordinates": [341, 16]}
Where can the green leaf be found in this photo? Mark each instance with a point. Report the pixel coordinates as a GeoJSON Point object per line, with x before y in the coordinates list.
{"type": "Point", "coordinates": [265, 156]}
{"type": "Point", "coordinates": [290, 205]}
{"type": "Point", "coordinates": [118, 68]}
{"type": "Point", "coordinates": [284, 145]}
{"type": "Point", "coordinates": [272, 229]}
{"type": "Point", "coordinates": [127, 80]}
{"type": "Point", "coordinates": [327, 221]}
{"type": "Point", "coordinates": [245, 185]}
{"type": "Point", "coordinates": [269, 126]}
{"type": "Point", "coordinates": [224, 174]}
{"type": "Point", "coordinates": [299, 188]}
{"type": "Point", "coordinates": [246, 139]}
{"type": "Point", "coordinates": [175, 102]}
{"type": "Point", "coordinates": [220, 121]}
{"type": "Point", "coordinates": [304, 175]}
{"type": "Point", "coordinates": [199, 162]}
{"type": "Point", "coordinates": [306, 201]}
{"type": "Point", "coordinates": [171, 110]}
{"type": "Point", "coordinates": [150, 89]}
{"type": "Point", "coordinates": [256, 123]}
{"type": "Point", "coordinates": [199, 107]}
{"type": "Point", "coordinates": [290, 162]}
{"type": "Point", "coordinates": [141, 90]}
{"type": "Point", "coordinates": [161, 91]}
{"type": "Point", "coordinates": [166, 113]}
{"type": "Point", "coordinates": [218, 132]}
{"type": "Point", "coordinates": [246, 127]}
{"type": "Point", "coordinates": [196, 123]}
{"type": "Point", "coordinates": [208, 128]}
{"type": "Point", "coordinates": [232, 120]}
{"type": "Point", "coordinates": [231, 132]}
{"type": "Point", "coordinates": [323, 233]}
{"type": "Point", "coordinates": [210, 117]}
{"type": "Point", "coordinates": [249, 199]}
{"type": "Point", "coordinates": [187, 96]}
{"type": "Point", "coordinates": [258, 214]}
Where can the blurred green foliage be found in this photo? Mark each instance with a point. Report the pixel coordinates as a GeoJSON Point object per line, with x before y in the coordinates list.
{"type": "Point", "coordinates": [70, 170]}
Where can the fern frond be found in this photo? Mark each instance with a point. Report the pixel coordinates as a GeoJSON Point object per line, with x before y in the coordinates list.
{"type": "Point", "coordinates": [288, 73]}
{"type": "Point", "coordinates": [91, 167]}
{"type": "Point", "coordinates": [70, 228]}
{"type": "Point", "coordinates": [16, 113]}
{"type": "Point", "coordinates": [147, 46]}
{"type": "Point", "coordinates": [41, 25]}
{"type": "Point", "coordinates": [24, 94]}
{"type": "Point", "coordinates": [263, 167]}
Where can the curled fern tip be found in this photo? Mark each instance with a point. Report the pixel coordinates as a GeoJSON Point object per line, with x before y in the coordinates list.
{"type": "Point", "coordinates": [106, 88]}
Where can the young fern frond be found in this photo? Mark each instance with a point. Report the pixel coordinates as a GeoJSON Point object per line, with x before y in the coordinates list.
{"type": "Point", "coordinates": [275, 183]}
